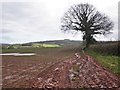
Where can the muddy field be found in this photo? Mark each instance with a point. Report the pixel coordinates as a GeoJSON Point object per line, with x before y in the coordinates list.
{"type": "Point", "coordinates": [18, 71]}
{"type": "Point", "coordinates": [77, 72]}
{"type": "Point", "coordinates": [56, 68]}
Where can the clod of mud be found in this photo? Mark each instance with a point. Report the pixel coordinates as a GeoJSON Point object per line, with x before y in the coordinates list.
{"type": "Point", "coordinates": [76, 72]}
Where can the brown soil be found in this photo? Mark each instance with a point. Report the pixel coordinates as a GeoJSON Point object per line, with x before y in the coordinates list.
{"type": "Point", "coordinates": [76, 72]}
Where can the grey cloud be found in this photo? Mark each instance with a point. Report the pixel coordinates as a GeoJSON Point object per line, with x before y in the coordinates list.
{"type": "Point", "coordinates": [28, 21]}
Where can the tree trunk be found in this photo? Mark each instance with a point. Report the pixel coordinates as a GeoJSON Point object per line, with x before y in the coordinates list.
{"type": "Point", "coordinates": [87, 38]}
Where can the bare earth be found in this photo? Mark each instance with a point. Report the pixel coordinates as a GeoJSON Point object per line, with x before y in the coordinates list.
{"type": "Point", "coordinates": [76, 72]}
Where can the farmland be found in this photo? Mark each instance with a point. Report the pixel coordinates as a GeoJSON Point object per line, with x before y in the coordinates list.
{"type": "Point", "coordinates": [21, 71]}
{"type": "Point", "coordinates": [18, 71]}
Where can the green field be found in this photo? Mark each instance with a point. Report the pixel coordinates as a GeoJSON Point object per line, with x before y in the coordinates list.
{"type": "Point", "coordinates": [34, 45]}
{"type": "Point", "coordinates": [45, 45]}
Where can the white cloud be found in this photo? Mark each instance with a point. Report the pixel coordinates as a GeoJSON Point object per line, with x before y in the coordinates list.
{"type": "Point", "coordinates": [37, 20]}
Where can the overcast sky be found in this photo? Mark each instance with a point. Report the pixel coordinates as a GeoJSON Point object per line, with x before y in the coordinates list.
{"type": "Point", "coordinates": [39, 20]}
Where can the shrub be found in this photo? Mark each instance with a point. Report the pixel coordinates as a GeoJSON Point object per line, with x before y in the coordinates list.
{"type": "Point", "coordinates": [112, 48]}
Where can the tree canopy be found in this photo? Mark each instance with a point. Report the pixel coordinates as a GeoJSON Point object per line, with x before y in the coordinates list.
{"type": "Point", "coordinates": [85, 18]}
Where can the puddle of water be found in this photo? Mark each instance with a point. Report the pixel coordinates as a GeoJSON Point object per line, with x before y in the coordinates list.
{"type": "Point", "coordinates": [17, 54]}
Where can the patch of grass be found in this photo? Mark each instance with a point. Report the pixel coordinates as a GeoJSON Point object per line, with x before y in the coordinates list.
{"type": "Point", "coordinates": [51, 45]}
{"type": "Point", "coordinates": [45, 45]}
{"type": "Point", "coordinates": [108, 61]}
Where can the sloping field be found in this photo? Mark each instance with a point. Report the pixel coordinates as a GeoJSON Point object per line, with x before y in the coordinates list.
{"type": "Point", "coordinates": [18, 71]}
{"type": "Point", "coordinates": [55, 68]}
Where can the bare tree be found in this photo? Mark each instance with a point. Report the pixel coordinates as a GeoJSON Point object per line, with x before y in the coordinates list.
{"type": "Point", "coordinates": [85, 18]}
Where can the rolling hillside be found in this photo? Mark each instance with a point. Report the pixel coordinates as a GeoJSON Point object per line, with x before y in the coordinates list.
{"type": "Point", "coordinates": [56, 43]}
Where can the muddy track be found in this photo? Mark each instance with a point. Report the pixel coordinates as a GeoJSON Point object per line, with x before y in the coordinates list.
{"type": "Point", "coordinates": [76, 72]}
{"type": "Point", "coordinates": [16, 76]}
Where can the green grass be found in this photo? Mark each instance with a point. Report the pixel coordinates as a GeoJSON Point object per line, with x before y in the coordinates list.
{"type": "Point", "coordinates": [108, 61]}
{"type": "Point", "coordinates": [51, 45]}
{"type": "Point", "coordinates": [45, 45]}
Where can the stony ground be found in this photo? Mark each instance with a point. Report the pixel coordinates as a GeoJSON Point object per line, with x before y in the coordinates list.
{"type": "Point", "coordinates": [76, 72]}
{"type": "Point", "coordinates": [17, 71]}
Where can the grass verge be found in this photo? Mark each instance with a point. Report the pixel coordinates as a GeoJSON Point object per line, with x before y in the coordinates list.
{"type": "Point", "coordinates": [108, 61]}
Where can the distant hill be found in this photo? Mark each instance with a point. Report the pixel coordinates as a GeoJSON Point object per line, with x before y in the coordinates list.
{"type": "Point", "coordinates": [4, 45]}
{"type": "Point", "coordinates": [64, 42]}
